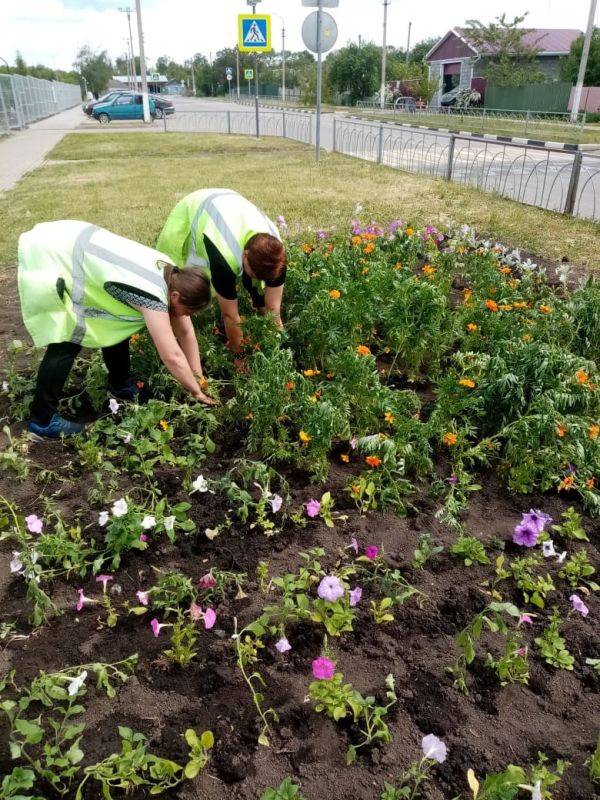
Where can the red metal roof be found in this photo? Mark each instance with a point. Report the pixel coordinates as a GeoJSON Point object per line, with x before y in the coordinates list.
{"type": "Point", "coordinates": [547, 40]}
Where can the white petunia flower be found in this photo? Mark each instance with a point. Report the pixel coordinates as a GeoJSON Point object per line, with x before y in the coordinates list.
{"type": "Point", "coordinates": [119, 508]}
{"type": "Point", "coordinates": [77, 683]}
{"type": "Point", "coordinates": [148, 522]}
{"type": "Point", "coordinates": [113, 405]}
{"type": "Point", "coordinates": [199, 485]}
{"type": "Point", "coordinates": [169, 523]}
{"type": "Point", "coordinates": [548, 548]}
{"type": "Point", "coordinates": [103, 518]}
{"type": "Point", "coordinates": [16, 565]}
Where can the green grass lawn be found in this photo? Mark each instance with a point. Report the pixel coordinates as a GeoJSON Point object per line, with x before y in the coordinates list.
{"type": "Point", "coordinates": [541, 129]}
{"type": "Point", "coordinates": [129, 182]}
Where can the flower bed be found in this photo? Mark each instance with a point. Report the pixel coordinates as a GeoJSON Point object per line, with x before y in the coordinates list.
{"type": "Point", "coordinates": [333, 579]}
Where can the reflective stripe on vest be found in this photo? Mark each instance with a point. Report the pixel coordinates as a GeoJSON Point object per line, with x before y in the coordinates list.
{"type": "Point", "coordinates": [220, 224]}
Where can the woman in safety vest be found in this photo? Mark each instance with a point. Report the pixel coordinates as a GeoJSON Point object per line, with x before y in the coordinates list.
{"type": "Point", "coordinates": [229, 238]}
{"type": "Point", "coordinates": [82, 286]}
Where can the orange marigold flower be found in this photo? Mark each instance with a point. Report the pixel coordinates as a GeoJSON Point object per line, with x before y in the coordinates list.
{"type": "Point", "coordinates": [310, 373]}
{"type": "Point", "coordinates": [335, 294]}
{"type": "Point", "coordinates": [389, 417]}
{"type": "Point", "coordinates": [594, 431]}
{"type": "Point", "coordinates": [427, 269]}
{"type": "Point", "coordinates": [365, 271]}
{"type": "Point", "coordinates": [582, 376]}
{"type": "Point", "coordinates": [135, 338]}
{"type": "Point", "coordinates": [373, 461]}
{"type": "Point", "coordinates": [356, 240]}
{"type": "Point", "coordinates": [304, 437]}
{"type": "Point", "coordinates": [249, 416]}
{"type": "Point", "coordinates": [409, 231]}
{"type": "Point", "coordinates": [164, 424]}
{"type": "Point", "coordinates": [505, 270]}
{"type": "Point", "coordinates": [590, 483]}
{"type": "Point", "coordinates": [355, 489]}
{"type": "Point", "coordinates": [491, 305]}
{"type": "Point", "coordinates": [561, 430]}
{"type": "Point", "coordinates": [566, 483]}
{"type": "Point", "coordinates": [449, 439]}
{"type": "Point", "coordinates": [527, 337]}
{"type": "Point", "coordinates": [363, 350]}
{"type": "Point", "coordinates": [306, 248]}
{"type": "Point", "coordinates": [398, 265]}
{"type": "Point", "coordinates": [345, 458]}
{"type": "Point", "coordinates": [467, 382]}
{"type": "Point", "coordinates": [546, 309]}
{"type": "Point", "coordinates": [290, 385]}
{"type": "Point", "coordinates": [369, 249]}
{"type": "Point", "coordinates": [140, 384]}
{"type": "Point", "coordinates": [471, 327]}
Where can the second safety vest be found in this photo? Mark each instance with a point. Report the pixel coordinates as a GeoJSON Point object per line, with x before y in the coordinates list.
{"type": "Point", "coordinates": [224, 217]}
{"type": "Point", "coordinates": [64, 267]}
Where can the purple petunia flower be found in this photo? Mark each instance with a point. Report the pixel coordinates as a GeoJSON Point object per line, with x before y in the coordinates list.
{"type": "Point", "coordinates": [276, 502]}
{"type": "Point", "coordinates": [323, 669]}
{"type": "Point", "coordinates": [34, 523]}
{"type": "Point", "coordinates": [579, 605]}
{"type": "Point", "coordinates": [355, 596]}
{"type": "Point", "coordinates": [330, 588]}
{"type": "Point", "coordinates": [536, 519]}
{"type": "Point", "coordinates": [526, 535]}
{"type": "Point", "coordinates": [434, 748]}
{"type": "Point", "coordinates": [312, 508]}
{"type": "Point", "coordinates": [371, 552]}
{"type": "Point", "coordinates": [283, 645]}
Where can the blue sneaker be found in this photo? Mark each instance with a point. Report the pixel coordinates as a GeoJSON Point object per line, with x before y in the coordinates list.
{"type": "Point", "coordinates": [57, 427]}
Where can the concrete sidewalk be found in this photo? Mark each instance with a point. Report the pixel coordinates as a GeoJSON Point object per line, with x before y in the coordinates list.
{"type": "Point", "coordinates": [23, 151]}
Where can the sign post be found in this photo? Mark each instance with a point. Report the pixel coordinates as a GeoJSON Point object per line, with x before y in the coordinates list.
{"type": "Point", "coordinates": [229, 76]}
{"type": "Point", "coordinates": [249, 76]}
{"type": "Point", "coordinates": [254, 36]}
{"type": "Point", "coordinates": [319, 33]}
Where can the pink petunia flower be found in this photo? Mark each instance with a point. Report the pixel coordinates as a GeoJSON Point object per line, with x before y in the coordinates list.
{"type": "Point", "coordinates": [34, 523]}
{"type": "Point", "coordinates": [312, 508]}
{"type": "Point", "coordinates": [355, 596]}
{"type": "Point", "coordinates": [207, 581]}
{"type": "Point", "coordinates": [525, 619]}
{"type": "Point", "coordinates": [578, 605]}
{"type": "Point", "coordinates": [276, 503]}
{"type": "Point", "coordinates": [371, 552]}
{"type": "Point", "coordinates": [210, 618]}
{"type": "Point", "coordinates": [143, 597]}
{"type": "Point", "coordinates": [330, 588]}
{"type": "Point", "coordinates": [143, 537]}
{"type": "Point", "coordinates": [104, 579]}
{"type": "Point", "coordinates": [82, 600]}
{"type": "Point", "coordinates": [283, 645]}
{"type": "Point", "coordinates": [323, 669]}
{"type": "Point", "coordinates": [156, 627]}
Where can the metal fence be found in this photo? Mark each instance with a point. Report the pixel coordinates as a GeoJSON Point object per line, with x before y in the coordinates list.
{"type": "Point", "coordinates": [550, 178]}
{"type": "Point", "coordinates": [24, 99]}
{"type": "Point", "coordinates": [282, 122]}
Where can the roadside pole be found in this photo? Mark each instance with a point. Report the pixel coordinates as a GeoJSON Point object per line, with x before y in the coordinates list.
{"type": "Point", "coordinates": [584, 60]}
{"type": "Point", "coordinates": [319, 80]}
{"type": "Point", "coordinates": [237, 71]}
{"type": "Point", "coordinates": [384, 53]}
{"type": "Point", "coordinates": [145, 101]}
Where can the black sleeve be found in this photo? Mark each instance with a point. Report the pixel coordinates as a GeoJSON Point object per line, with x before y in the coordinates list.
{"type": "Point", "coordinates": [279, 280]}
{"type": "Point", "coordinates": [221, 275]}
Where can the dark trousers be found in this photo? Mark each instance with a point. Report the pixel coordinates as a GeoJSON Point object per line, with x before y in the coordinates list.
{"type": "Point", "coordinates": [54, 371]}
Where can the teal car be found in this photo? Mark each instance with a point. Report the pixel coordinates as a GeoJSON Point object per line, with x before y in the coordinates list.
{"type": "Point", "coordinates": [127, 105]}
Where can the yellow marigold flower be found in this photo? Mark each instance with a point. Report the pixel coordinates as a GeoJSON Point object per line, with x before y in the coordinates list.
{"type": "Point", "coordinates": [304, 437]}
{"type": "Point", "coordinates": [527, 337]}
{"type": "Point", "coordinates": [566, 483]}
{"type": "Point", "coordinates": [164, 424]}
{"type": "Point", "coordinates": [491, 305]}
{"type": "Point", "coordinates": [307, 248]}
{"type": "Point", "coordinates": [250, 416]}
{"type": "Point", "coordinates": [449, 439]}
{"type": "Point", "coordinates": [363, 350]}
{"type": "Point", "coordinates": [467, 382]}
{"type": "Point", "coordinates": [505, 307]}
{"type": "Point", "coordinates": [398, 265]}
{"type": "Point", "coordinates": [373, 461]}
{"type": "Point", "coordinates": [365, 271]}
{"type": "Point", "coordinates": [471, 327]}
{"type": "Point", "coordinates": [594, 431]}
{"type": "Point", "coordinates": [409, 231]}
{"type": "Point", "coordinates": [389, 417]}
{"type": "Point", "coordinates": [582, 376]}
{"type": "Point", "coordinates": [505, 270]}
{"type": "Point", "coordinates": [345, 458]}
{"type": "Point", "coordinates": [427, 269]}
{"type": "Point", "coordinates": [369, 249]}
{"type": "Point", "coordinates": [356, 240]}
{"type": "Point", "coordinates": [335, 294]}
{"type": "Point", "coordinates": [560, 431]}
{"type": "Point", "coordinates": [467, 295]}
{"type": "Point", "coordinates": [202, 383]}
{"type": "Point", "coordinates": [519, 304]}
{"type": "Point", "coordinates": [546, 309]}
{"type": "Point", "coordinates": [513, 283]}
{"type": "Point", "coordinates": [313, 398]}
{"type": "Point", "coordinates": [310, 373]}
{"type": "Point", "coordinates": [355, 489]}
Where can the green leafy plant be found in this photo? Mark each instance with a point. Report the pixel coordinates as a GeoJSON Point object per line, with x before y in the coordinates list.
{"type": "Point", "coordinates": [551, 644]}
{"type": "Point", "coordinates": [593, 765]}
{"type": "Point", "coordinates": [426, 549]}
{"type": "Point", "coordinates": [470, 550]}
{"type": "Point", "coordinates": [577, 571]}
{"type": "Point", "coordinates": [285, 791]}
{"type": "Point", "coordinates": [570, 527]}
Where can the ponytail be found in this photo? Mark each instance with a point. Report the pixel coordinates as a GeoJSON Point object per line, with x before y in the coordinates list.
{"type": "Point", "coordinates": [191, 283]}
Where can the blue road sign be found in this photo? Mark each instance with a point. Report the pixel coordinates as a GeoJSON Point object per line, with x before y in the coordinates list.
{"type": "Point", "coordinates": [254, 33]}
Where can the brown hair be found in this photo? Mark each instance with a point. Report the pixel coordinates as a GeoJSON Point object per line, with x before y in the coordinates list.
{"type": "Point", "coordinates": [191, 283]}
{"type": "Point", "coordinates": [266, 256]}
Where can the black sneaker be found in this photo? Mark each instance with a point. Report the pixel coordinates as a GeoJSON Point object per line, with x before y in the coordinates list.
{"type": "Point", "coordinates": [130, 392]}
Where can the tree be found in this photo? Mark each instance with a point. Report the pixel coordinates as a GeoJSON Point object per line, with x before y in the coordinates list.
{"type": "Point", "coordinates": [509, 62]}
{"type": "Point", "coordinates": [355, 70]}
{"type": "Point", "coordinates": [96, 68]}
{"type": "Point", "coordinates": [122, 65]}
{"type": "Point", "coordinates": [570, 65]}
{"type": "Point", "coordinates": [20, 65]}
{"type": "Point", "coordinates": [419, 51]}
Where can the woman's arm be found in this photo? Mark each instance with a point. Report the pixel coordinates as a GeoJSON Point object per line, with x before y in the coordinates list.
{"type": "Point", "coordinates": [170, 353]}
{"type": "Point", "coordinates": [232, 321]}
{"type": "Point", "coordinates": [273, 298]}
{"type": "Point", "coordinates": [186, 336]}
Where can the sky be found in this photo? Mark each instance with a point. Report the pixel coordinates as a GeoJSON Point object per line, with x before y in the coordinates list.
{"type": "Point", "coordinates": [50, 31]}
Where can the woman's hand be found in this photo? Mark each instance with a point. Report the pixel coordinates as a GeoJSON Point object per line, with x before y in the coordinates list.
{"type": "Point", "coordinates": [204, 398]}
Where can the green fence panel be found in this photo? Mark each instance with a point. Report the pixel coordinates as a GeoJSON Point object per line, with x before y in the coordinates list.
{"type": "Point", "coordinates": [531, 97]}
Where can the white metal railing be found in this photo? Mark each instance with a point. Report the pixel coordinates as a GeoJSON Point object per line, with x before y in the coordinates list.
{"type": "Point", "coordinates": [24, 99]}
{"type": "Point", "coordinates": [262, 122]}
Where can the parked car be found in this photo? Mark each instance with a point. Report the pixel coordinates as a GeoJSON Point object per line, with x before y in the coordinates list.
{"type": "Point", "coordinates": [89, 105]}
{"type": "Point", "coordinates": [449, 98]}
{"type": "Point", "coordinates": [164, 107]}
{"type": "Point", "coordinates": [124, 106]}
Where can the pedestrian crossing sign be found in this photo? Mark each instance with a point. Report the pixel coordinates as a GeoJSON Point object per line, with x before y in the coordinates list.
{"type": "Point", "coordinates": [254, 33]}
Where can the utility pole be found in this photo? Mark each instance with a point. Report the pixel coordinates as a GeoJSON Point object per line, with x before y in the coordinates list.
{"type": "Point", "coordinates": [193, 78]}
{"type": "Point", "coordinates": [408, 42]}
{"type": "Point", "coordinates": [583, 63]}
{"type": "Point", "coordinates": [319, 79]}
{"type": "Point", "coordinates": [282, 55]}
{"type": "Point", "coordinates": [384, 53]}
{"type": "Point", "coordinates": [145, 102]}
{"type": "Point", "coordinates": [129, 11]}
{"type": "Point", "coordinates": [237, 70]}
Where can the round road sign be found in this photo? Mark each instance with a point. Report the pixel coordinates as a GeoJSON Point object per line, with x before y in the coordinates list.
{"type": "Point", "coordinates": [329, 32]}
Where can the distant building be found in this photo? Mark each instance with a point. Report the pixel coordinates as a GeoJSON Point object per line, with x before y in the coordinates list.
{"type": "Point", "coordinates": [454, 61]}
{"type": "Point", "coordinates": [156, 82]}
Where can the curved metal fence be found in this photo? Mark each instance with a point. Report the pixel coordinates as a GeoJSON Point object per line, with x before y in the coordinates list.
{"type": "Point", "coordinates": [24, 99]}
{"type": "Point", "coordinates": [289, 124]}
{"type": "Point", "coordinates": [551, 178]}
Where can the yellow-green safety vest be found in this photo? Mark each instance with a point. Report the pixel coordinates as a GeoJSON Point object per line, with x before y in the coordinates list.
{"type": "Point", "coordinates": [64, 267]}
{"type": "Point", "coordinates": [223, 216]}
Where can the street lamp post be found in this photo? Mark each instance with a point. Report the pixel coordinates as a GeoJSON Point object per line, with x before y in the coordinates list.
{"type": "Point", "coordinates": [583, 63]}
{"type": "Point", "coordinates": [145, 101]}
{"type": "Point", "coordinates": [282, 56]}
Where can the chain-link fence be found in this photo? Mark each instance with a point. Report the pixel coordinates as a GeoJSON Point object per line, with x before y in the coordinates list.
{"type": "Point", "coordinates": [24, 99]}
